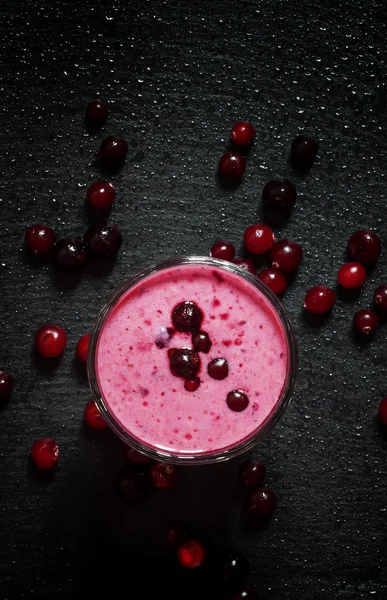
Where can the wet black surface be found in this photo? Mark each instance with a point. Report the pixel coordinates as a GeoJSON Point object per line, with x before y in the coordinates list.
{"type": "Point", "coordinates": [177, 76]}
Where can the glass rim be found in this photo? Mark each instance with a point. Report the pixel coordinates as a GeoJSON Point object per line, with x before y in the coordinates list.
{"type": "Point", "coordinates": [205, 457]}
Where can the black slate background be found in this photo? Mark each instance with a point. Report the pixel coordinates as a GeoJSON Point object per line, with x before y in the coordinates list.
{"type": "Point", "coordinates": [177, 76]}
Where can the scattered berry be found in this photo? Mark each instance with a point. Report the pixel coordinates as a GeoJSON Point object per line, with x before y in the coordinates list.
{"type": "Point", "coordinates": [245, 264]}
{"type": "Point", "coordinates": [223, 251]}
{"type": "Point", "coordinates": [237, 400]}
{"type": "Point", "coordinates": [352, 275]}
{"type": "Point", "coordinates": [163, 476]}
{"type": "Point", "coordinates": [320, 299]}
{"type": "Point", "coordinates": [96, 113]}
{"type": "Point", "coordinates": [187, 316]}
{"type": "Point", "coordinates": [101, 194]}
{"type": "Point", "coordinates": [40, 239]}
{"type": "Point", "coordinates": [252, 473]}
{"type": "Point", "coordinates": [201, 342]}
{"type": "Point", "coordinates": [261, 505]}
{"type": "Point", "coordinates": [383, 411]}
{"type": "Point", "coordinates": [132, 484]}
{"type": "Point", "coordinates": [45, 453]}
{"type": "Point", "coordinates": [191, 385]}
{"type": "Point", "coordinates": [112, 151]}
{"type": "Point", "coordinates": [191, 554]}
{"type": "Point", "coordinates": [50, 340]}
{"type": "Point", "coordinates": [6, 385]}
{"type": "Point", "coordinates": [218, 368]}
{"type": "Point", "coordinates": [380, 298]}
{"type": "Point", "coordinates": [176, 536]}
{"type": "Point", "coordinates": [232, 165]}
{"type": "Point", "coordinates": [82, 346]}
{"type": "Point", "coordinates": [248, 593]}
{"type": "Point", "coordinates": [304, 150]}
{"type": "Point", "coordinates": [69, 253]}
{"type": "Point", "coordinates": [279, 194]}
{"type": "Point", "coordinates": [258, 238]}
{"type": "Point", "coordinates": [184, 362]}
{"type": "Point", "coordinates": [365, 321]}
{"type": "Point", "coordinates": [286, 255]}
{"type": "Point", "coordinates": [364, 246]}
{"type": "Point", "coordinates": [274, 279]}
{"type": "Point", "coordinates": [233, 569]}
{"type": "Point", "coordinates": [242, 134]}
{"type": "Point", "coordinates": [134, 456]}
{"type": "Point", "coordinates": [103, 240]}
{"type": "Point", "coordinates": [93, 417]}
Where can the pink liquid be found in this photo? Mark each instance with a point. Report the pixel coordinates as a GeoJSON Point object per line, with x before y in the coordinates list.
{"type": "Point", "coordinates": [134, 376]}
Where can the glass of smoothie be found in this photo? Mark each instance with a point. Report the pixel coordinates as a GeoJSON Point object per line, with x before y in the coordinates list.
{"type": "Point", "coordinates": [192, 360]}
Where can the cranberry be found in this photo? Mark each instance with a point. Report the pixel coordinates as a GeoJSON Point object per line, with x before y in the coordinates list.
{"type": "Point", "coordinates": [184, 362]}
{"type": "Point", "coordinates": [258, 238]}
{"type": "Point", "coordinates": [261, 505]}
{"type": "Point", "coordinates": [70, 254]}
{"type": "Point", "coordinates": [223, 251]}
{"type": "Point", "coordinates": [380, 298]}
{"type": "Point", "coordinates": [233, 569]}
{"type": "Point", "coordinates": [364, 246]}
{"type": "Point", "coordinates": [40, 239]}
{"type": "Point", "coordinates": [132, 484]}
{"type": "Point", "coordinates": [163, 476]}
{"type": "Point", "coordinates": [304, 150]}
{"type": "Point", "coordinates": [186, 316]}
{"type": "Point", "coordinates": [247, 593]}
{"type": "Point", "coordinates": [274, 279]}
{"type": "Point", "coordinates": [352, 275]}
{"type": "Point", "coordinates": [286, 255]}
{"type": "Point", "coordinates": [201, 342]}
{"type": "Point", "coordinates": [279, 195]}
{"type": "Point", "coordinates": [93, 417]}
{"type": "Point", "coordinates": [45, 453]}
{"type": "Point", "coordinates": [252, 473]}
{"type": "Point", "coordinates": [218, 368]}
{"type": "Point", "coordinates": [82, 347]}
{"type": "Point", "coordinates": [6, 385]}
{"type": "Point", "coordinates": [320, 299]}
{"type": "Point", "coordinates": [245, 264]}
{"type": "Point", "coordinates": [50, 340]}
{"type": "Point", "coordinates": [232, 165]}
{"type": "Point", "coordinates": [242, 134]}
{"type": "Point", "coordinates": [237, 400]}
{"type": "Point", "coordinates": [365, 321]}
{"type": "Point", "coordinates": [103, 240]}
{"type": "Point", "coordinates": [96, 113]}
{"type": "Point", "coordinates": [112, 151]}
{"type": "Point", "coordinates": [134, 456]}
{"type": "Point", "coordinates": [176, 536]}
{"type": "Point", "coordinates": [191, 385]}
{"type": "Point", "coordinates": [383, 411]}
{"type": "Point", "coordinates": [101, 194]}
{"type": "Point", "coordinates": [191, 554]}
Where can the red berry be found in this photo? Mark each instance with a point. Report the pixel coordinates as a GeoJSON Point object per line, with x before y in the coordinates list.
{"type": "Point", "coordinates": [6, 385]}
{"type": "Point", "coordinates": [274, 279]}
{"type": "Point", "coordinates": [137, 457]}
{"type": "Point", "coordinates": [82, 346]}
{"type": "Point", "coordinates": [112, 151]}
{"type": "Point", "coordinates": [40, 239]}
{"type": "Point", "coordinates": [242, 134]}
{"type": "Point", "coordinates": [252, 473]}
{"type": "Point", "coordinates": [186, 316]}
{"type": "Point", "coordinates": [103, 240]}
{"type": "Point", "coordinates": [352, 275]}
{"type": "Point", "coordinates": [261, 503]}
{"type": "Point", "coordinates": [380, 298]}
{"type": "Point", "coordinates": [365, 321]}
{"type": "Point", "coordinates": [258, 238]}
{"type": "Point", "coordinates": [383, 411]}
{"type": "Point", "coordinates": [286, 255]}
{"type": "Point", "coordinates": [237, 400]}
{"type": "Point", "coordinates": [201, 342]}
{"type": "Point", "coordinates": [232, 165]}
{"type": "Point", "coordinates": [217, 368]}
{"type": "Point", "coordinates": [364, 246]}
{"type": "Point", "coordinates": [101, 194]}
{"type": "Point", "coordinates": [304, 150]}
{"type": "Point", "coordinates": [96, 113]}
{"type": "Point", "coordinates": [279, 195]}
{"type": "Point", "coordinates": [223, 251]}
{"type": "Point", "coordinates": [320, 299]}
{"type": "Point", "coordinates": [93, 417]}
{"type": "Point", "coordinates": [191, 554]}
{"type": "Point", "coordinates": [163, 476]}
{"type": "Point", "coordinates": [69, 253]}
{"type": "Point", "coordinates": [50, 340]}
{"type": "Point", "coordinates": [132, 484]}
{"type": "Point", "coordinates": [191, 385]}
{"type": "Point", "coordinates": [245, 264]}
{"type": "Point", "coordinates": [45, 453]}
{"type": "Point", "coordinates": [176, 536]}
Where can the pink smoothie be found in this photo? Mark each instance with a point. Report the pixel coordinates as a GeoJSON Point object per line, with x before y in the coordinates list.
{"type": "Point", "coordinates": [133, 371]}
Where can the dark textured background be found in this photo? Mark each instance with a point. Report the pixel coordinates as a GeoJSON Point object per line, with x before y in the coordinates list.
{"type": "Point", "coordinates": [177, 76]}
